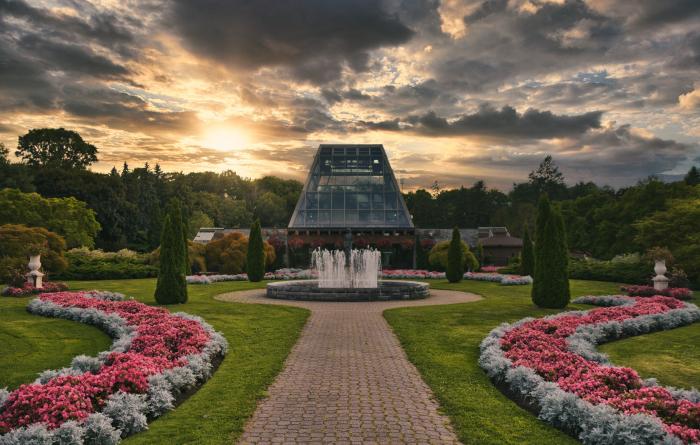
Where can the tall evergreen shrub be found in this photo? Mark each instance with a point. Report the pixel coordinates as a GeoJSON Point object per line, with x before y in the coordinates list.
{"type": "Point", "coordinates": [551, 282]}
{"type": "Point", "coordinates": [255, 260]}
{"type": "Point", "coordinates": [171, 287]}
{"type": "Point", "coordinates": [455, 258]}
{"type": "Point", "coordinates": [527, 259]}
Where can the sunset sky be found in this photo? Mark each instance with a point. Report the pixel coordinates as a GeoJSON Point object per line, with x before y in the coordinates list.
{"type": "Point", "coordinates": [456, 91]}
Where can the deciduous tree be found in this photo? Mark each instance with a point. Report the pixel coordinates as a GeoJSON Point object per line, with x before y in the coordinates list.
{"type": "Point", "coordinates": [55, 147]}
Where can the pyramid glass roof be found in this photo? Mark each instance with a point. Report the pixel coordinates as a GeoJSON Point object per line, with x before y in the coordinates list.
{"type": "Point", "coordinates": [351, 186]}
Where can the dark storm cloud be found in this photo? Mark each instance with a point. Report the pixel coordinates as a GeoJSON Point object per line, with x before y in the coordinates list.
{"type": "Point", "coordinates": [106, 29]}
{"type": "Point", "coordinates": [612, 155]}
{"type": "Point", "coordinates": [400, 100]}
{"type": "Point", "coordinates": [23, 84]}
{"type": "Point", "coordinates": [505, 123]}
{"type": "Point", "coordinates": [486, 8]}
{"type": "Point", "coordinates": [125, 111]}
{"type": "Point", "coordinates": [652, 13]}
{"type": "Point", "coordinates": [315, 38]}
{"type": "Point", "coordinates": [71, 58]}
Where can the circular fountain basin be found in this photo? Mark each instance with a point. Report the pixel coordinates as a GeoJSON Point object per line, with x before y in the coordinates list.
{"type": "Point", "coordinates": [308, 290]}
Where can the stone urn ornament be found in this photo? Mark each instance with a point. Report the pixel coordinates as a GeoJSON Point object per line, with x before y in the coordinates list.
{"type": "Point", "coordinates": [35, 277]}
{"type": "Point", "coordinates": [660, 280]}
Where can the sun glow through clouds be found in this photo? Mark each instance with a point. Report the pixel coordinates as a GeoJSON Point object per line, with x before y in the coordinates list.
{"type": "Point", "coordinates": [225, 138]}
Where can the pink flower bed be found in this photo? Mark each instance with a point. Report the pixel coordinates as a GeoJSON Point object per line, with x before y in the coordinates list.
{"type": "Point", "coordinates": [162, 341]}
{"type": "Point", "coordinates": [680, 293]}
{"type": "Point", "coordinates": [541, 345]}
{"type": "Point", "coordinates": [28, 289]}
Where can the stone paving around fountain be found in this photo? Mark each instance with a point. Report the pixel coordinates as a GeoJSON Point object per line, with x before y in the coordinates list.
{"type": "Point", "coordinates": [347, 380]}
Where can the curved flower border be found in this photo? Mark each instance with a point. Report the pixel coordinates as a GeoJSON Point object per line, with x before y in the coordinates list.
{"type": "Point", "coordinates": [122, 413]}
{"type": "Point", "coordinates": [596, 423]}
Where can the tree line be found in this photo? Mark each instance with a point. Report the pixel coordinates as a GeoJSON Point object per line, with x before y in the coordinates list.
{"type": "Point", "coordinates": [129, 204]}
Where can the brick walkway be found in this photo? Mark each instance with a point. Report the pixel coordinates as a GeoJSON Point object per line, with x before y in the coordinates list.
{"type": "Point", "coordinates": [347, 380]}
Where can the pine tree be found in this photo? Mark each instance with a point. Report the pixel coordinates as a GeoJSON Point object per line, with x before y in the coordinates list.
{"type": "Point", "coordinates": [255, 260]}
{"type": "Point", "coordinates": [551, 281]}
{"type": "Point", "coordinates": [171, 287]}
{"type": "Point", "coordinates": [455, 258]}
{"type": "Point", "coordinates": [527, 260]}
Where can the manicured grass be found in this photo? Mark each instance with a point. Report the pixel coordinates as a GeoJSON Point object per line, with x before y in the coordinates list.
{"type": "Point", "coordinates": [673, 357]}
{"type": "Point", "coordinates": [260, 338]}
{"type": "Point", "coordinates": [443, 343]}
{"type": "Point", "coordinates": [31, 344]}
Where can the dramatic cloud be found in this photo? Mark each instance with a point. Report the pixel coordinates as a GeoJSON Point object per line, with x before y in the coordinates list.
{"type": "Point", "coordinates": [315, 39]}
{"type": "Point", "coordinates": [504, 123]}
{"type": "Point", "coordinates": [610, 88]}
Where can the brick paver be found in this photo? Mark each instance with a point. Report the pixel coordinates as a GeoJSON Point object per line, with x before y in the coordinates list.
{"type": "Point", "coordinates": [347, 380]}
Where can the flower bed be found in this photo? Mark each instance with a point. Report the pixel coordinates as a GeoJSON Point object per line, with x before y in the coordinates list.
{"type": "Point", "coordinates": [681, 293]}
{"type": "Point", "coordinates": [156, 357]}
{"type": "Point", "coordinates": [551, 366]}
{"type": "Point", "coordinates": [28, 289]}
{"type": "Point", "coordinates": [395, 274]}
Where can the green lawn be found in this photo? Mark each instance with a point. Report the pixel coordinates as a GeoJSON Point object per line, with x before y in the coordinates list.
{"type": "Point", "coordinates": [260, 338]}
{"type": "Point", "coordinates": [443, 342]}
{"type": "Point", "coordinates": [673, 357]}
{"type": "Point", "coordinates": [31, 344]}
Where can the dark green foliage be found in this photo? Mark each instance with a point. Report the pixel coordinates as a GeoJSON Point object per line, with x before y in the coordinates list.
{"type": "Point", "coordinates": [17, 242]}
{"type": "Point", "coordinates": [693, 176]}
{"type": "Point", "coordinates": [96, 265]}
{"type": "Point", "coordinates": [551, 281]}
{"type": "Point", "coordinates": [437, 259]}
{"type": "Point", "coordinates": [629, 269]}
{"type": "Point", "coordinates": [175, 212]}
{"type": "Point", "coordinates": [12, 271]}
{"type": "Point", "coordinates": [255, 260]}
{"type": "Point", "coordinates": [55, 147]}
{"type": "Point", "coordinates": [171, 287]}
{"type": "Point", "coordinates": [480, 252]}
{"type": "Point", "coordinates": [68, 217]}
{"type": "Point", "coordinates": [527, 259]}
{"type": "Point", "coordinates": [455, 259]}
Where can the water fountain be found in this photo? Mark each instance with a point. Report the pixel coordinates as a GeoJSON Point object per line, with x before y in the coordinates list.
{"type": "Point", "coordinates": [349, 275]}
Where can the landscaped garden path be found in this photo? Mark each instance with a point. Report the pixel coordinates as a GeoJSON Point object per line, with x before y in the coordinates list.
{"type": "Point", "coordinates": [347, 380]}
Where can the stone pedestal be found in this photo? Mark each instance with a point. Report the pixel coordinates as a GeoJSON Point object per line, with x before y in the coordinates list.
{"type": "Point", "coordinates": [34, 277]}
{"type": "Point", "coordinates": [660, 280]}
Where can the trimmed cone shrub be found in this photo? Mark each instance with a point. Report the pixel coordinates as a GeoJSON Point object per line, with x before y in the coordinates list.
{"type": "Point", "coordinates": [527, 259]}
{"type": "Point", "coordinates": [171, 287]}
{"type": "Point", "coordinates": [255, 260]}
{"type": "Point", "coordinates": [551, 281]}
{"type": "Point", "coordinates": [455, 258]}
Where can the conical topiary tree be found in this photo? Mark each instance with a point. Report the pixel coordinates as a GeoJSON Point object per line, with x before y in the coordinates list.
{"type": "Point", "coordinates": [171, 287]}
{"type": "Point", "coordinates": [543, 213]}
{"type": "Point", "coordinates": [551, 283]}
{"type": "Point", "coordinates": [255, 260]}
{"type": "Point", "coordinates": [480, 253]}
{"type": "Point", "coordinates": [175, 213]}
{"type": "Point", "coordinates": [455, 258]}
{"type": "Point", "coordinates": [561, 269]}
{"type": "Point", "coordinates": [527, 259]}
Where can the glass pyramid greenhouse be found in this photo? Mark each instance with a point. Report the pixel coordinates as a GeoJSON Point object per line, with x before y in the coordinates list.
{"type": "Point", "coordinates": [351, 187]}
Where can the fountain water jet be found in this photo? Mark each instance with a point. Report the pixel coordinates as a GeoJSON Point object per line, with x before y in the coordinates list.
{"type": "Point", "coordinates": [357, 268]}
